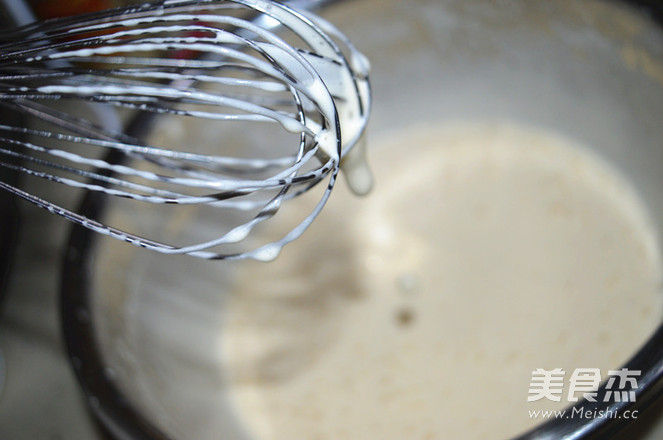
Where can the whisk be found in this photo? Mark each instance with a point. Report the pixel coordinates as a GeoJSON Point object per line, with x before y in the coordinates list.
{"type": "Point", "coordinates": [221, 61]}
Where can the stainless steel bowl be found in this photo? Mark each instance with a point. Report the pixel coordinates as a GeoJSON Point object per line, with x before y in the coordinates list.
{"type": "Point", "coordinates": [142, 329]}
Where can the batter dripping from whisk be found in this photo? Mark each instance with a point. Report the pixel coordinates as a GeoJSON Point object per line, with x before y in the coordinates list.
{"type": "Point", "coordinates": [242, 72]}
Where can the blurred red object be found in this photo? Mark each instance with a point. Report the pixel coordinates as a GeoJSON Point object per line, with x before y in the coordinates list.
{"type": "Point", "coordinates": [45, 9]}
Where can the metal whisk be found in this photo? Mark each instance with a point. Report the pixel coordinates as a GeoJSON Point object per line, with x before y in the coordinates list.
{"type": "Point", "coordinates": [217, 60]}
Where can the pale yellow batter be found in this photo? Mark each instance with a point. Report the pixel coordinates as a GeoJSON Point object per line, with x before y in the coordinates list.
{"type": "Point", "coordinates": [485, 251]}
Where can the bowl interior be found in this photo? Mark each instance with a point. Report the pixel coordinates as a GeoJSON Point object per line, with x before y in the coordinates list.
{"type": "Point", "coordinates": [590, 72]}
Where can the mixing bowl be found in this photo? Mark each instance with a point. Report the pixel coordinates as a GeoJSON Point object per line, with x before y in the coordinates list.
{"type": "Point", "coordinates": [145, 331]}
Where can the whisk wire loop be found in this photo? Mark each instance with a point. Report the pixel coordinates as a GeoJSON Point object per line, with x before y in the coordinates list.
{"type": "Point", "coordinates": [219, 61]}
